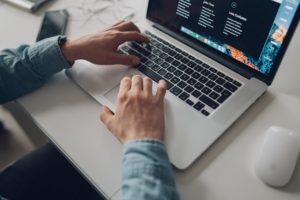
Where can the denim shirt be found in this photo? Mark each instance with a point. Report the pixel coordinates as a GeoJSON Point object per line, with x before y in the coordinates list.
{"type": "Point", "coordinates": [146, 170]}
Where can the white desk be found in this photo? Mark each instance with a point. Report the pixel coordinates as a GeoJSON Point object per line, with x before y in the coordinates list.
{"type": "Point", "coordinates": [70, 118]}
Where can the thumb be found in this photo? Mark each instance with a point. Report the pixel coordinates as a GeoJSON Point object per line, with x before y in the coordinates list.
{"type": "Point", "coordinates": [106, 116]}
{"type": "Point", "coordinates": [124, 59]}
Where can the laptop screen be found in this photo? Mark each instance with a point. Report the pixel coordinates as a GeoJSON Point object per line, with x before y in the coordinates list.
{"type": "Point", "coordinates": [251, 32]}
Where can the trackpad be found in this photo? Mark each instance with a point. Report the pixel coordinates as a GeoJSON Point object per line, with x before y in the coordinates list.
{"type": "Point", "coordinates": [112, 95]}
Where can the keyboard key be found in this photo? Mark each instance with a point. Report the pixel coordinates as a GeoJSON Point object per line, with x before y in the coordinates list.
{"type": "Point", "coordinates": [199, 62]}
{"type": "Point", "coordinates": [189, 71]}
{"type": "Point", "coordinates": [230, 87]}
{"type": "Point", "coordinates": [213, 77]}
{"type": "Point", "coordinates": [236, 83]}
{"type": "Point", "coordinates": [218, 89]}
{"type": "Point", "coordinates": [208, 101]}
{"type": "Point", "coordinates": [192, 81]}
{"type": "Point", "coordinates": [166, 49]}
{"type": "Point", "coordinates": [206, 90]}
{"type": "Point", "coordinates": [196, 75]}
{"type": "Point", "coordinates": [198, 68]}
{"type": "Point", "coordinates": [157, 52]}
{"type": "Point", "coordinates": [176, 90]}
{"type": "Point", "coordinates": [220, 81]}
{"type": "Point", "coordinates": [184, 96]}
{"type": "Point", "coordinates": [210, 84]}
{"type": "Point", "coordinates": [175, 80]}
{"type": "Point", "coordinates": [160, 46]}
{"type": "Point", "coordinates": [159, 61]}
{"type": "Point", "coordinates": [169, 59]}
{"type": "Point", "coordinates": [171, 69]}
{"type": "Point", "coordinates": [184, 53]}
{"type": "Point", "coordinates": [154, 76]}
{"type": "Point", "coordinates": [162, 72]}
{"type": "Point", "coordinates": [214, 95]}
{"type": "Point", "coordinates": [212, 70]}
{"type": "Point", "coordinates": [182, 67]}
{"type": "Point", "coordinates": [176, 63]}
{"type": "Point", "coordinates": [155, 68]}
{"type": "Point", "coordinates": [203, 79]}
{"type": "Point", "coordinates": [191, 64]}
{"type": "Point", "coordinates": [182, 84]}
{"type": "Point", "coordinates": [224, 96]}
{"type": "Point", "coordinates": [168, 76]}
{"type": "Point", "coordinates": [191, 103]}
{"type": "Point", "coordinates": [191, 57]}
{"type": "Point", "coordinates": [184, 77]}
{"type": "Point", "coordinates": [228, 78]}
{"type": "Point", "coordinates": [221, 74]}
{"type": "Point", "coordinates": [205, 72]}
{"type": "Point", "coordinates": [198, 106]}
{"type": "Point", "coordinates": [165, 65]}
{"type": "Point", "coordinates": [179, 56]}
{"type": "Point", "coordinates": [206, 113]}
{"type": "Point", "coordinates": [153, 57]}
{"type": "Point", "coordinates": [149, 64]}
{"type": "Point", "coordinates": [178, 73]}
{"type": "Point", "coordinates": [206, 66]}
{"type": "Point", "coordinates": [196, 93]}
{"type": "Point", "coordinates": [199, 86]}
{"type": "Point", "coordinates": [189, 89]}
{"type": "Point", "coordinates": [184, 60]}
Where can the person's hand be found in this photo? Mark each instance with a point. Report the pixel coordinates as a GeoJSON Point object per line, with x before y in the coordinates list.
{"type": "Point", "coordinates": [139, 113]}
{"type": "Point", "coordinates": [101, 47]}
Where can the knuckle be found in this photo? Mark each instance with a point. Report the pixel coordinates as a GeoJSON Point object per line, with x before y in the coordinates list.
{"type": "Point", "coordinates": [122, 97]}
{"type": "Point", "coordinates": [125, 80]}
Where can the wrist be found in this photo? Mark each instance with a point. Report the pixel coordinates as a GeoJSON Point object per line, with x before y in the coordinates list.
{"type": "Point", "coordinates": [69, 51]}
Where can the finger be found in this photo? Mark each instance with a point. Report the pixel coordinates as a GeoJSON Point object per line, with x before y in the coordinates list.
{"type": "Point", "coordinates": [118, 23]}
{"type": "Point", "coordinates": [112, 27]}
{"type": "Point", "coordinates": [122, 59]}
{"type": "Point", "coordinates": [106, 115]}
{"type": "Point", "coordinates": [125, 84]}
{"type": "Point", "coordinates": [127, 26]}
{"type": "Point", "coordinates": [132, 36]}
{"type": "Point", "coordinates": [136, 83]}
{"type": "Point", "coordinates": [161, 90]}
{"type": "Point", "coordinates": [147, 85]}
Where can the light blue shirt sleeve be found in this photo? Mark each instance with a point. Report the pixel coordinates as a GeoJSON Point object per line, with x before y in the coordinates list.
{"type": "Point", "coordinates": [26, 68]}
{"type": "Point", "coordinates": [147, 172]}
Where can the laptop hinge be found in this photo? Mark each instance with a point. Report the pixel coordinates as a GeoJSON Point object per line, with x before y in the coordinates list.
{"type": "Point", "coordinates": [235, 67]}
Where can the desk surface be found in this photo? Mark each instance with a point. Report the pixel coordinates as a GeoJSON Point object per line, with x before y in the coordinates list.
{"type": "Point", "coordinates": [71, 121]}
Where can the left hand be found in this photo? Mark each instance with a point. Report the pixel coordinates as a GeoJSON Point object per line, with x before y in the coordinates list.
{"type": "Point", "coordinates": [101, 48]}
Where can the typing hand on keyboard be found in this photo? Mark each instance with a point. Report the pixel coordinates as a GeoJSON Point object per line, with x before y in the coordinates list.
{"type": "Point", "coordinates": [198, 84]}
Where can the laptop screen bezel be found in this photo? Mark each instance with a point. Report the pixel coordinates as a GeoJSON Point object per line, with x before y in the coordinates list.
{"type": "Point", "coordinates": [226, 60]}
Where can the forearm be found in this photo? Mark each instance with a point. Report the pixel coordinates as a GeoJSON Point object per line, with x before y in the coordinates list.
{"type": "Point", "coordinates": [26, 68]}
{"type": "Point", "coordinates": [147, 172]}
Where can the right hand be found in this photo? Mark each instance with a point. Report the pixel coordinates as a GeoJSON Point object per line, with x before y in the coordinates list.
{"type": "Point", "coordinates": [139, 113]}
{"type": "Point", "coordinates": [101, 47]}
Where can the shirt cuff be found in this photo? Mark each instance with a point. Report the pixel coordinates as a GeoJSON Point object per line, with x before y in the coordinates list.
{"type": "Point", "coordinates": [147, 157]}
{"type": "Point", "coordinates": [47, 57]}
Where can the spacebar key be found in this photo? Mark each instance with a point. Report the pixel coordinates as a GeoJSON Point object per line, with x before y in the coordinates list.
{"type": "Point", "coordinates": [154, 76]}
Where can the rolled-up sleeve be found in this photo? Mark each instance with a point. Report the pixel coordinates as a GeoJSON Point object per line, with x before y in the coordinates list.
{"type": "Point", "coordinates": [147, 172]}
{"type": "Point", "coordinates": [26, 68]}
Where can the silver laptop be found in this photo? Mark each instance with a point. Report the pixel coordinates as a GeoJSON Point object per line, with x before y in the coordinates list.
{"type": "Point", "coordinates": [218, 58]}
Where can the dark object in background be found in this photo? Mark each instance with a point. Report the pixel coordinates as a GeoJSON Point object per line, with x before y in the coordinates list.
{"type": "Point", "coordinates": [54, 23]}
{"type": "Point", "coordinates": [31, 5]}
{"type": "Point", "coordinates": [2, 128]}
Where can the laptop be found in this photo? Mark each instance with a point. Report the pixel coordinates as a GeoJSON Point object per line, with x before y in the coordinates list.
{"type": "Point", "coordinates": [217, 57]}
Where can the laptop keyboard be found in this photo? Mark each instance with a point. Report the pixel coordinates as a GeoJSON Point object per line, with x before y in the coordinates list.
{"type": "Point", "coordinates": [198, 84]}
